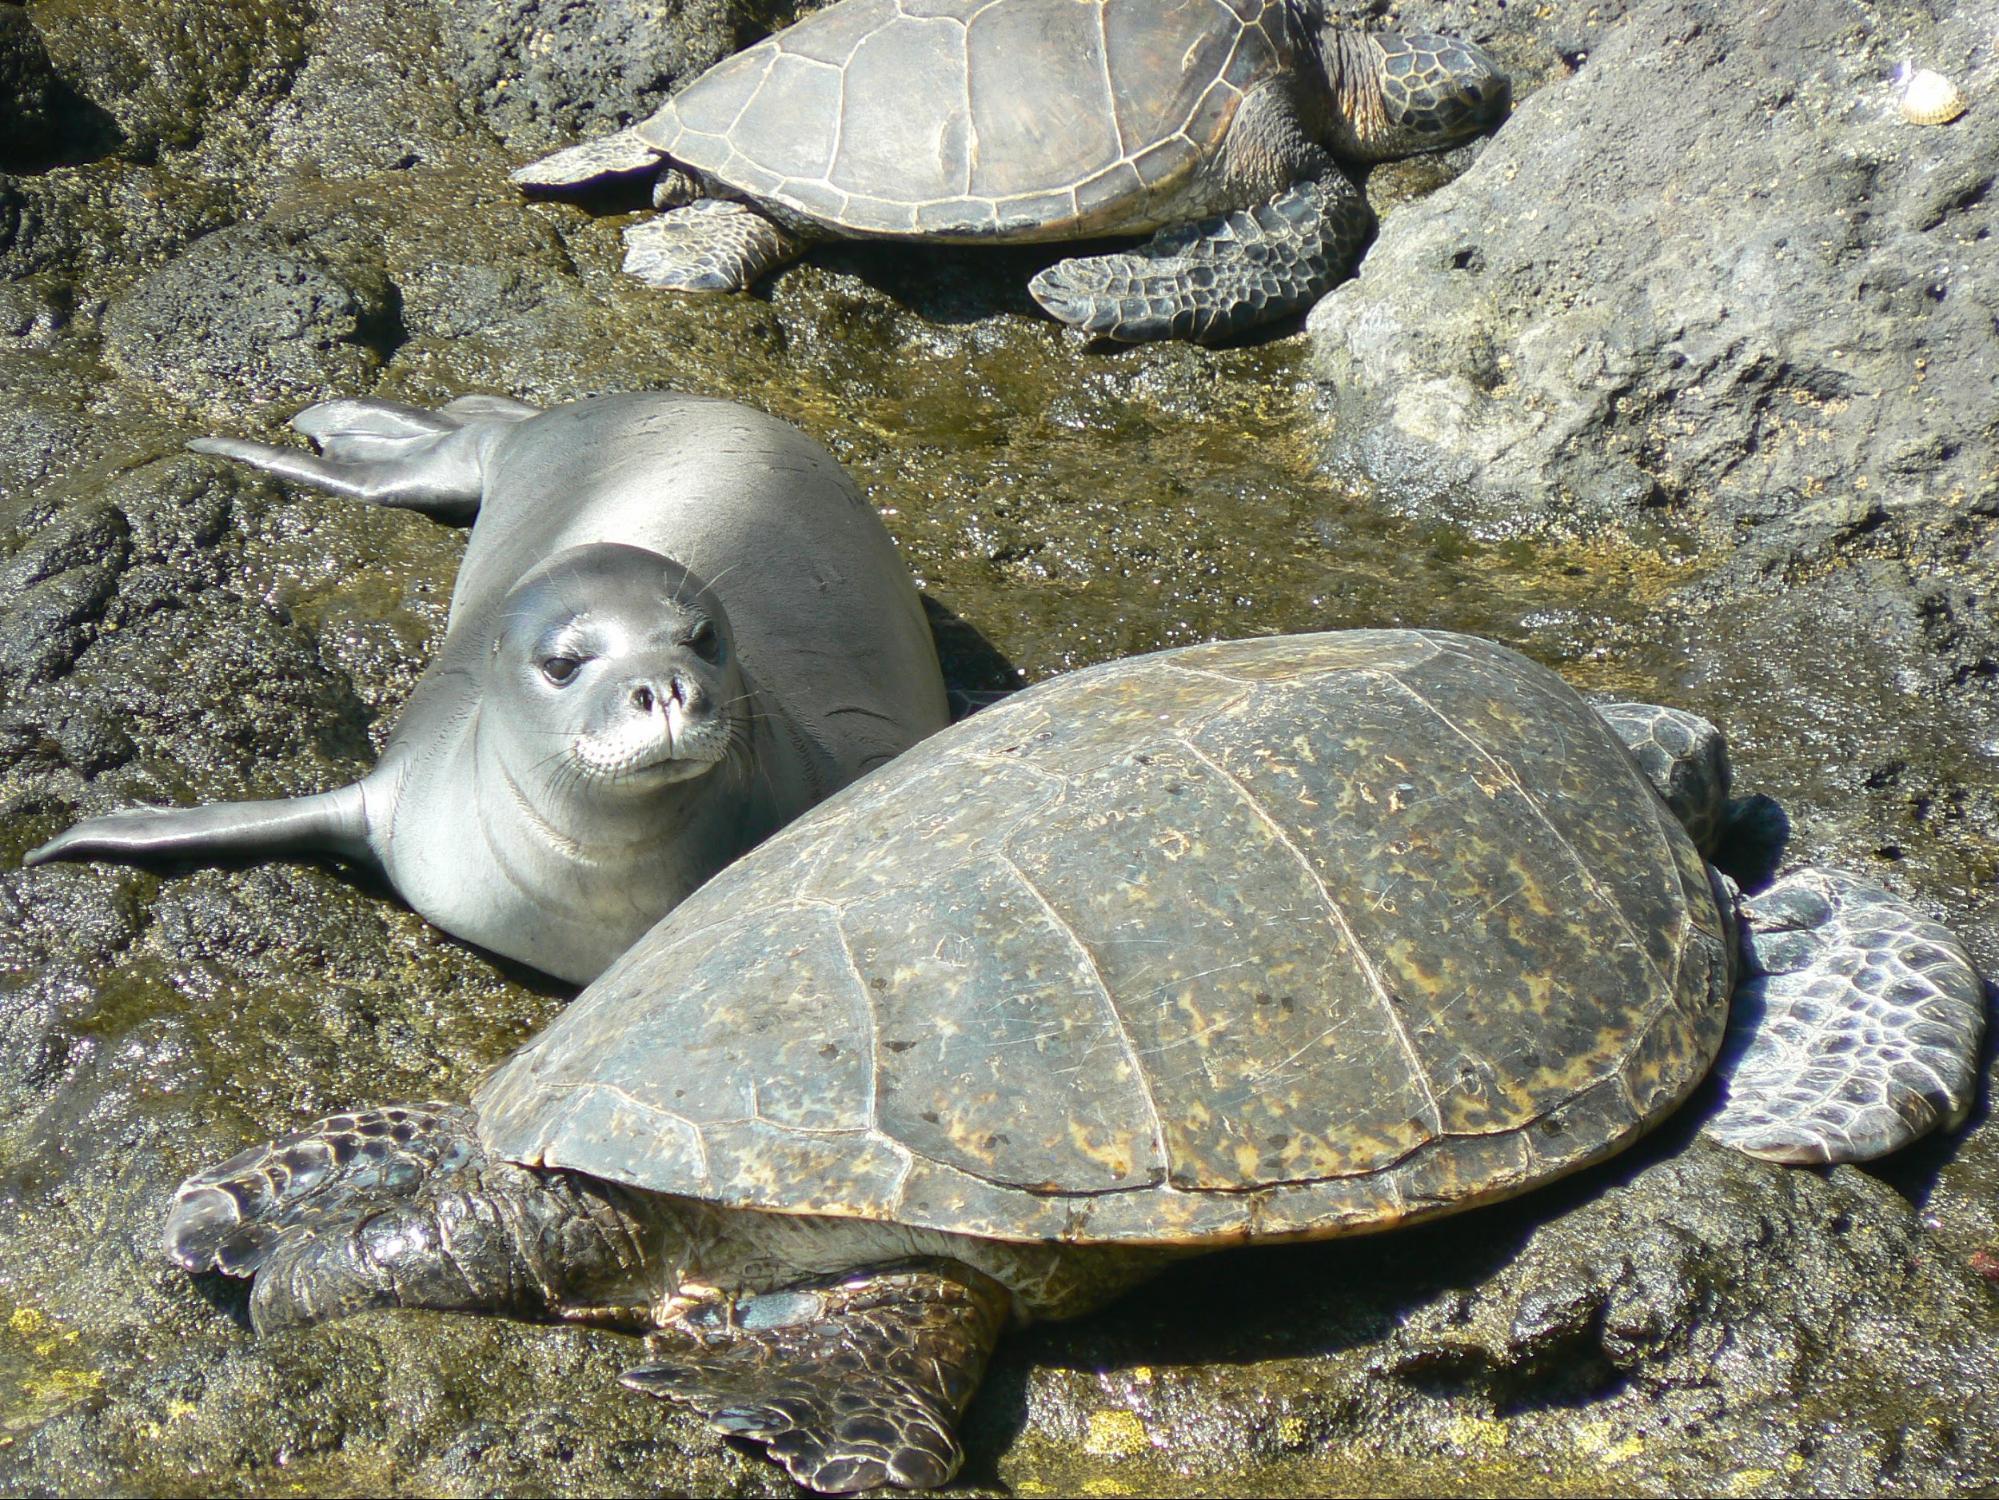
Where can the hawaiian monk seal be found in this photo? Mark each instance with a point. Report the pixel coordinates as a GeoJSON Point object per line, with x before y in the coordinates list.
{"type": "Point", "coordinates": [677, 626]}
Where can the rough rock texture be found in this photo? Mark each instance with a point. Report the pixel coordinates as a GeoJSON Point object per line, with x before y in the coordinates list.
{"type": "Point", "coordinates": [1715, 272]}
{"type": "Point", "coordinates": [540, 73]}
{"type": "Point", "coordinates": [223, 218]}
{"type": "Point", "coordinates": [273, 313]}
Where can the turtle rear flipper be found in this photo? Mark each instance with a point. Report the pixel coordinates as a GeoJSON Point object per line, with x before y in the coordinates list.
{"type": "Point", "coordinates": [1855, 1028]}
{"type": "Point", "coordinates": [1685, 758]}
{"type": "Point", "coordinates": [707, 246]}
{"type": "Point", "coordinates": [850, 1385]}
{"type": "Point", "coordinates": [623, 153]}
{"type": "Point", "coordinates": [1210, 280]}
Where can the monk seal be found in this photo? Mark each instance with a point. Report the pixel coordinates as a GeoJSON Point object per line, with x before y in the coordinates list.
{"type": "Point", "coordinates": [677, 626]}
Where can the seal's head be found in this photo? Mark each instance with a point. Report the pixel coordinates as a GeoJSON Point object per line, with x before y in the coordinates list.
{"type": "Point", "coordinates": [620, 675]}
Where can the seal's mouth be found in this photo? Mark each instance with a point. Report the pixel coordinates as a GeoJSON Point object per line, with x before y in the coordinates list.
{"type": "Point", "coordinates": [669, 745]}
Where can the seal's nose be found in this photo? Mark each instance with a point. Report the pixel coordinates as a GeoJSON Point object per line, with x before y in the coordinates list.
{"type": "Point", "coordinates": [678, 690]}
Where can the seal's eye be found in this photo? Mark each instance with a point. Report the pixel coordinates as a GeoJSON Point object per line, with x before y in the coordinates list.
{"type": "Point", "coordinates": [559, 669]}
{"type": "Point", "coordinates": [704, 639]}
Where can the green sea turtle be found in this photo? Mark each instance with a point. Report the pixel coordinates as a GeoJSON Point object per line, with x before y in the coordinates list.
{"type": "Point", "coordinates": [1264, 940]}
{"type": "Point", "coordinates": [1215, 122]}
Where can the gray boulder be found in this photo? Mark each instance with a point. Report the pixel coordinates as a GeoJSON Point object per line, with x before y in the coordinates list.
{"type": "Point", "coordinates": [1712, 279]}
{"type": "Point", "coordinates": [542, 73]}
{"type": "Point", "coordinates": [323, 210]}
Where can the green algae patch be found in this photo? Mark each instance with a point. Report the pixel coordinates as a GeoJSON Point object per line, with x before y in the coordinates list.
{"type": "Point", "coordinates": [1676, 1321]}
{"type": "Point", "coordinates": [44, 1370]}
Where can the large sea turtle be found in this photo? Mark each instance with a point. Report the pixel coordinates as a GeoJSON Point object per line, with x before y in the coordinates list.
{"type": "Point", "coordinates": [1272, 939]}
{"type": "Point", "coordinates": [1216, 122]}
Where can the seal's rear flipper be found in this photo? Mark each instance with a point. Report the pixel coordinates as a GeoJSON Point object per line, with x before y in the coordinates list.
{"type": "Point", "coordinates": [1855, 1028]}
{"type": "Point", "coordinates": [850, 1385]}
{"type": "Point", "coordinates": [328, 823]}
{"type": "Point", "coordinates": [387, 453]}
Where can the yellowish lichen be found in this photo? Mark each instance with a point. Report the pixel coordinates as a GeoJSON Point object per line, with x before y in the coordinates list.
{"type": "Point", "coordinates": [1115, 1434]}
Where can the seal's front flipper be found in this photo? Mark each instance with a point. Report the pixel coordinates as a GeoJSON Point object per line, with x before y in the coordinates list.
{"type": "Point", "coordinates": [402, 1207]}
{"type": "Point", "coordinates": [849, 1385]}
{"type": "Point", "coordinates": [1855, 1028]}
{"type": "Point", "coordinates": [1211, 280]}
{"type": "Point", "coordinates": [389, 454]}
{"type": "Point", "coordinates": [708, 246]}
{"type": "Point", "coordinates": [330, 823]}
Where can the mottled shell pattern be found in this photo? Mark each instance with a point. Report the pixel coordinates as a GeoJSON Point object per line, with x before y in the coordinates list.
{"type": "Point", "coordinates": [974, 119]}
{"type": "Point", "coordinates": [1296, 936]}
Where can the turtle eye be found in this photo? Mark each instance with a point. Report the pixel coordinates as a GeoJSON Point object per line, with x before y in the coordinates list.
{"type": "Point", "coordinates": [559, 669]}
{"type": "Point", "coordinates": [705, 639]}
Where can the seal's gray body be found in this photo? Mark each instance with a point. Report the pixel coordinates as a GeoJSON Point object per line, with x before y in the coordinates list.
{"type": "Point", "coordinates": [837, 669]}
{"type": "Point", "coordinates": [838, 659]}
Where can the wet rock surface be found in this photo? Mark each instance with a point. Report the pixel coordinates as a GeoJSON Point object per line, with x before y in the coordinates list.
{"type": "Point", "coordinates": [214, 229]}
{"type": "Point", "coordinates": [1715, 274]}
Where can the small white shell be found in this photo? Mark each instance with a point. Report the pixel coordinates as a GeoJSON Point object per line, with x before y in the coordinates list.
{"type": "Point", "coordinates": [1930, 98]}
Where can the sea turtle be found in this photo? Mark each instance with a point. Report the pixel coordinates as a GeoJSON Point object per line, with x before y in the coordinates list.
{"type": "Point", "coordinates": [1215, 122]}
{"type": "Point", "coordinates": [1270, 939]}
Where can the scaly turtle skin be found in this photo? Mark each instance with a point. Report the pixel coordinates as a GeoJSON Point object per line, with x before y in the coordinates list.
{"type": "Point", "coordinates": [975, 121]}
{"type": "Point", "coordinates": [1270, 939]}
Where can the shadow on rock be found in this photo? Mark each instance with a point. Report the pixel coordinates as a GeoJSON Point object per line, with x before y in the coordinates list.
{"type": "Point", "coordinates": [48, 123]}
{"type": "Point", "coordinates": [975, 670]}
{"type": "Point", "coordinates": [947, 284]}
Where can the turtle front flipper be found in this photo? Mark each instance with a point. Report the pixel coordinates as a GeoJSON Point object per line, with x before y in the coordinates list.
{"type": "Point", "coordinates": [850, 1385]}
{"type": "Point", "coordinates": [708, 246]}
{"type": "Point", "coordinates": [388, 454]}
{"type": "Point", "coordinates": [1212, 280]}
{"type": "Point", "coordinates": [623, 153]}
{"type": "Point", "coordinates": [232, 1216]}
{"type": "Point", "coordinates": [1855, 1028]}
{"type": "Point", "coordinates": [402, 1207]}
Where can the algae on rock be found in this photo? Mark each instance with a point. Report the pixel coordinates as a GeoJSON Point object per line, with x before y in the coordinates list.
{"type": "Point", "coordinates": [316, 204]}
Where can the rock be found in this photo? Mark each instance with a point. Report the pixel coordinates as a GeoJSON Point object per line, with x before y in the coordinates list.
{"type": "Point", "coordinates": [261, 312]}
{"type": "Point", "coordinates": [164, 74]}
{"type": "Point", "coordinates": [545, 73]}
{"type": "Point", "coordinates": [316, 205]}
{"type": "Point", "coordinates": [1665, 1327]}
{"type": "Point", "coordinates": [1714, 277]}
{"type": "Point", "coordinates": [30, 93]}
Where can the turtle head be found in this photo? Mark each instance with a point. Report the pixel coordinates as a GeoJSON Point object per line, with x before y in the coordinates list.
{"type": "Point", "coordinates": [620, 673]}
{"type": "Point", "coordinates": [1395, 94]}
